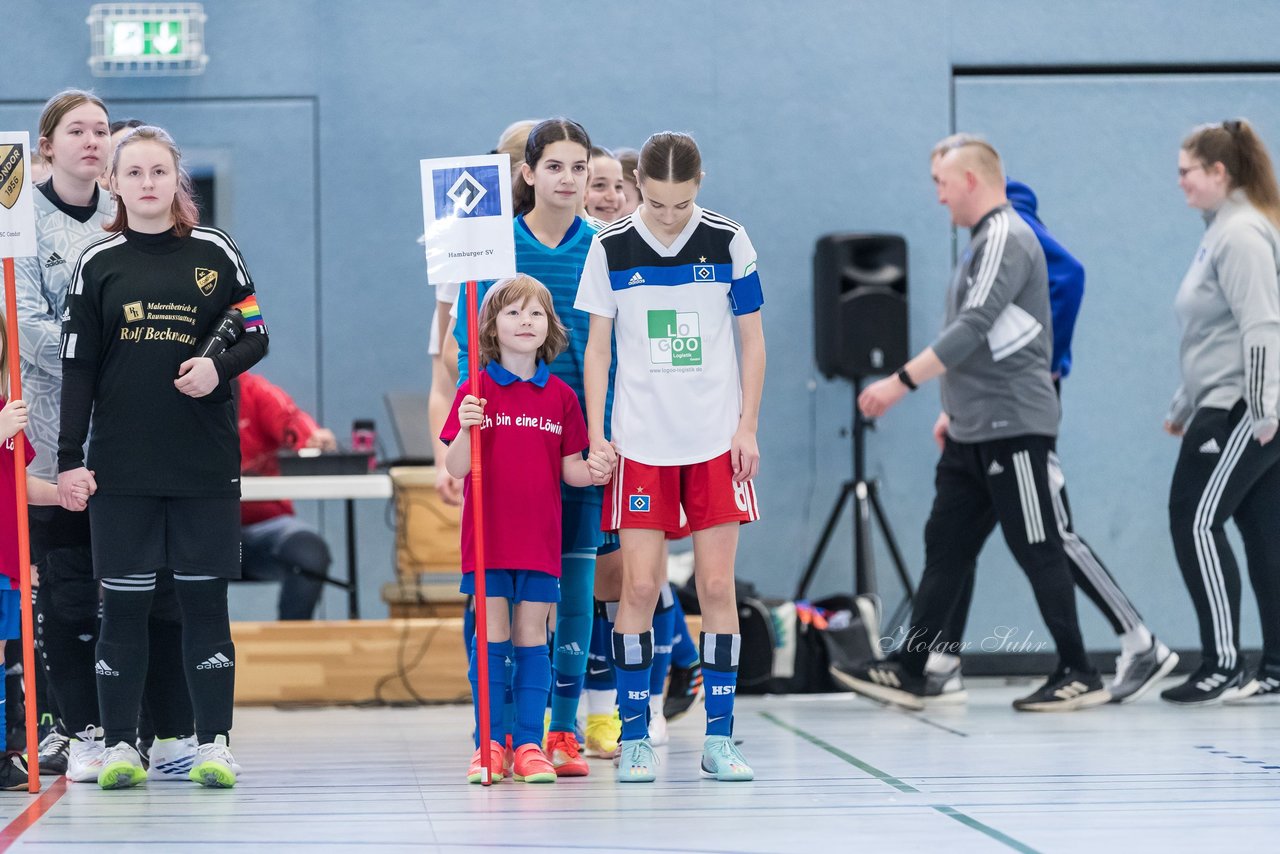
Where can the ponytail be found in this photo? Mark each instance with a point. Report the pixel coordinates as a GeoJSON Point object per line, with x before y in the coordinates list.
{"type": "Point", "coordinates": [1237, 146]}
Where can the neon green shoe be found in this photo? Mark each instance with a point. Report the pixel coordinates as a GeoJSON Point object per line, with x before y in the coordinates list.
{"type": "Point", "coordinates": [121, 767]}
{"type": "Point", "coordinates": [721, 760]}
{"type": "Point", "coordinates": [215, 767]}
{"type": "Point", "coordinates": [636, 762]}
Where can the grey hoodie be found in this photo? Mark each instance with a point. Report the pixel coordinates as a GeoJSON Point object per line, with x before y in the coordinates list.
{"type": "Point", "coordinates": [1229, 309]}
{"type": "Point", "coordinates": [998, 337]}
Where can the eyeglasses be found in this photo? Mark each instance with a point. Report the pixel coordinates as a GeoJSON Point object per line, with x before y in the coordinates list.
{"type": "Point", "coordinates": [1182, 173]}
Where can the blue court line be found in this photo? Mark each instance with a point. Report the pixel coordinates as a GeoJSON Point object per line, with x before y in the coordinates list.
{"type": "Point", "coordinates": [1264, 764]}
{"type": "Point", "coordinates": [950, 812]}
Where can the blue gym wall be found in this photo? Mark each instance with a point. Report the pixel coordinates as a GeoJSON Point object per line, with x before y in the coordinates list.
{"type": "Point", "coordinates": [814, 117]}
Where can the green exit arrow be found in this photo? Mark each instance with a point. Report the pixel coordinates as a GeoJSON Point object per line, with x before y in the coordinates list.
{"type": "Point", "coordinates": [163, 37]}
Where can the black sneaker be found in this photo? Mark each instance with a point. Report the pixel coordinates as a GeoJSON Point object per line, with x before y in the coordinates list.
{"type": "Point", "coordinates": [1065, 691]}
{"type": "Point", "coordinates": [1264, 687]}
{"type": "Point", "coordinates": [886, 681]}
{"type": "Point", "coordinates": [53, 754]}
{"type": "Point", "coordinates": [1208, 685]}
{"type": "Point", "coordinates": [684, 690]}
{"type": "Point", "coordinates": [45, 727]}
{"type": "Point", "coordinates": [13, 773]}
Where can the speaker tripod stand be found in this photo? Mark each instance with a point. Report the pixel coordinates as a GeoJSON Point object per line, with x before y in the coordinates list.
{"type": "Point", "coordinates": [864, 495]}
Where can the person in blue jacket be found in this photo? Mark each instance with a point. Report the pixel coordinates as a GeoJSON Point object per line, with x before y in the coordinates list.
{"type": "Point", "coordinates": [1143, 659]}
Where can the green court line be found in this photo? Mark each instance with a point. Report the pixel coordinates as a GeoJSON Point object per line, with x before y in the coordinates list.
{"type": "Point", "coordinates": [888, 779]}
{"type": "Point", "coordinates": [847, 757]}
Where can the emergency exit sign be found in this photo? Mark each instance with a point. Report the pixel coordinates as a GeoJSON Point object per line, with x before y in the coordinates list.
{"type": "Point", "coordinates": [147, 39]}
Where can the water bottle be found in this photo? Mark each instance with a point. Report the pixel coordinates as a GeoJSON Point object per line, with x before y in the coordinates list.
{"type": "Point", "coordinates": [227, 331]}
{"type": "Point", "coordinates": [364, 438]}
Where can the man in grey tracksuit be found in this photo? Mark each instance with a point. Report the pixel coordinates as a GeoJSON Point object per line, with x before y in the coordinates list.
{"type": "Point", "coordinates": [998, 427]}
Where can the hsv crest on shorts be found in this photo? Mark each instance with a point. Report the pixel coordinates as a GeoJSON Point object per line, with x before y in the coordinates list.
{"type": "Point", "coordinates": [638, 503]}
{"type": "Point", "coordinates": [11, 174]}
{"type": "Point", "coordinates": [206, 280]}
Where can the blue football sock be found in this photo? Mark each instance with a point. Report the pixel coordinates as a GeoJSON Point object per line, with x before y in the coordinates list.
{"type": "Point", "coordinates": [663, 627]}
{"type": "Point", "coordinates": [499, 654]}
{"type": "Point", "coordinates": [720, 676]}
{"type": "Point", "coordinates": [531, 680]}
{"type": "Point", "coordinates": [684, 652]}
{"type": "Point", "coordinates": [599, 662]}
{"type": "Point", "coordinates": [573, 637]}
{"type": "Point", "coordinates": [633, 656]}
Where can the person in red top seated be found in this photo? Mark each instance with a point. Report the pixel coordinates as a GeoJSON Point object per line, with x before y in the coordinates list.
{"type": "Point", "coordinates": [277, 545]}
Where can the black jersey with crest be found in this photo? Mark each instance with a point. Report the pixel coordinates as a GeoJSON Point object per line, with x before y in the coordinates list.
{"type": "Point", "coordinates": [138, 306]}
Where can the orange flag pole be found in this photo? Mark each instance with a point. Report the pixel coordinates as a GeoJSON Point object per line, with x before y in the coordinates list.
{"type": "Point", "coordinates": [24, 535]}
{"type": "Point", "coordinates": [477, 521]}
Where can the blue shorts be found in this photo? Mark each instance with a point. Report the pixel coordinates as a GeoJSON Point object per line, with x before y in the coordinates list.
{"type": "Point", "coordinates": [610, 545]}
{"type": "Point", "coordinates": [580, 519]}
{"type": "Point", "coordinates": [515, 585]}
{"type": "Point", "coordinates": [10, 613]}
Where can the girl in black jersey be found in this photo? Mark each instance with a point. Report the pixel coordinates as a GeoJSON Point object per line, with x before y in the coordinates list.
{"type": "Point", "coordinates": [71, 211]}
{"type": "Point", "coordinates": [162, 478]}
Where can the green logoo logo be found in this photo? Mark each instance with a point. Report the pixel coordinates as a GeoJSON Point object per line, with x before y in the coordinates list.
{"type": "Point", "coordinates": [675, 338]}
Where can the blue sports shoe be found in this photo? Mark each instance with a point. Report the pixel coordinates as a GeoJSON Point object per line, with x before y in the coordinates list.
{"type": "Point", "coordinates": [636, 762]}
{"type": "Point", "coordinates": [721, 760]}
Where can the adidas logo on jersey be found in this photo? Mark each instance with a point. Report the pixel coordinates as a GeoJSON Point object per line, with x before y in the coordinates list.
{"type": "Point", "coordinates": [215, 661]}
{"type": "Point", "coordinates": [54, 260]}
{"type": "Point", "coordinates": [1210, 447]}
{"type": "Point", "coordinates": [104, 669]}
{"type": "Point", "coordinates": [636, 279]}
{"type": "Point", "coordinates": [995, 468]}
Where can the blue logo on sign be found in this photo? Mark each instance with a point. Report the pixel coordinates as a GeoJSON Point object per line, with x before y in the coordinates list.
{"type": "Point", "coordinates": [469, 192]}
{"type": "Point", "coordinates": [639, 503]}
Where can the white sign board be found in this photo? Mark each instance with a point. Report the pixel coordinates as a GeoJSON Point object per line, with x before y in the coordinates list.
{"type": "Point", "coordinates": [466, 208]}
{"type": "Point", "coordinates": [17, 210]}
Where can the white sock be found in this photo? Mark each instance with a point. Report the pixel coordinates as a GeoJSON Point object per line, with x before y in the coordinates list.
{"type": "Point", "coordinates": [655, 705]}
{"type": "Point", "coordinates": [941, 662]}
{"type": "Point", "coordinates": [600, 702]}
{"type": "Point", "coordinates": [1136, 640]}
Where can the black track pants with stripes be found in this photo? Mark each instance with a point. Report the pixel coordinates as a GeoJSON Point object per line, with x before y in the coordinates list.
{"type": "Point", "coordinates": [980, 485]}
{"type": "Point", "coordinates": [1223, 473]}
{"type": "Point", "coordinates": [1087, 570]}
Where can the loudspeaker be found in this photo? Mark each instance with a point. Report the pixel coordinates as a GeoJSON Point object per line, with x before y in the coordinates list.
{"type": "Point", "coordinates": [860, 304]}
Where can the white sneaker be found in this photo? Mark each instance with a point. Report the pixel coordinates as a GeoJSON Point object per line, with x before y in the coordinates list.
{"type": "Point", "coordinates": [84, 760]}
{"type": "Point", "coordinates": [658, 734]}
{"type": "Point", "coordinates": [215, 766]}
{"type": "Point", "coordinates": [121, 767]}
{"type": "Point", "coordinates": [172, 758]}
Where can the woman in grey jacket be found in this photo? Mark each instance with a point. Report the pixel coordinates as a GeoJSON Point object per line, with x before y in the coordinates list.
{"type": "Point", "coordinates": [1227, 406]}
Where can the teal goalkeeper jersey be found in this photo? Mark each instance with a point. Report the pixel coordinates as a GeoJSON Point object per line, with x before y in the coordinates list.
{"type": "Point", "coordinates": [560, 269]}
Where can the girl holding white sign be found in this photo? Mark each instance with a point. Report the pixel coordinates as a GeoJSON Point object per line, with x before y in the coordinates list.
{"type": "Point", "coordinates": [551, 242]}
{"type": "Point", "coordinates": [534, 435]}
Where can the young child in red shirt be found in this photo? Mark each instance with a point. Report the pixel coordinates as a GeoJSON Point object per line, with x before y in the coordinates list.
{"type": "Point", "coordinates": [13, 419]}
{"type": "Point", "coordinates": [533, 437]}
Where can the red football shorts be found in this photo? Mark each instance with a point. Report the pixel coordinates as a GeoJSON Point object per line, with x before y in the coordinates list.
{"type": "Point", "coordinates": [643, 496]}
